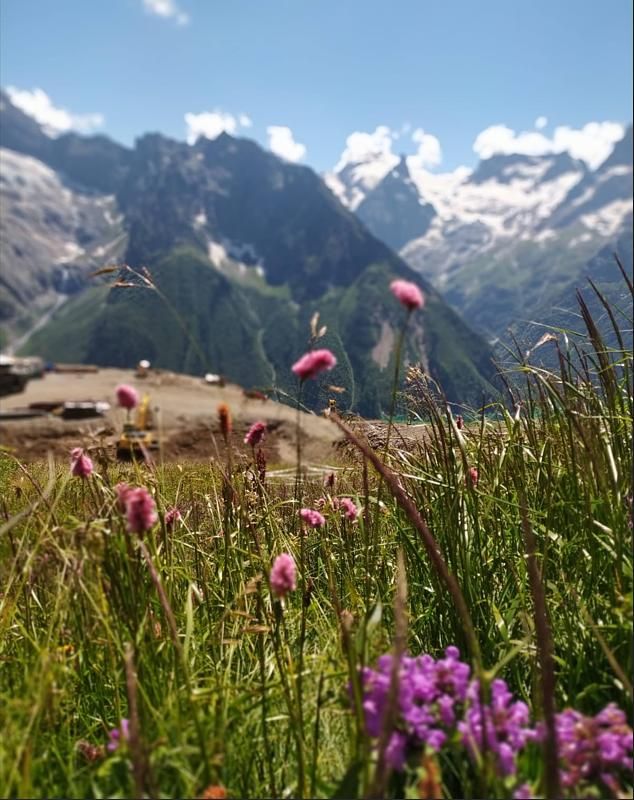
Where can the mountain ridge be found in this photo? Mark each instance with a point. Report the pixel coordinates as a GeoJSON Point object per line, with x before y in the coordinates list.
{"type": "Point", "coordinates": [245, 247]}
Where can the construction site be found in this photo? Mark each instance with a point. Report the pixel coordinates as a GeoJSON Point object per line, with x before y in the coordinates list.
{"type": "Point", "coordinates": [52, 409]}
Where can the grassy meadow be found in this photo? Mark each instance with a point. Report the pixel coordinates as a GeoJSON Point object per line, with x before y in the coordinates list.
{"type": "Point", "coordinates": [509, 537]}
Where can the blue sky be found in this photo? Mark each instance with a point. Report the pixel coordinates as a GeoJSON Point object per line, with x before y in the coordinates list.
{"type": "Point", "coordinates": [308, 73]}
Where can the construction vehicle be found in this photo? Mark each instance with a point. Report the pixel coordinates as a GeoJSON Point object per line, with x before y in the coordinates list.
{"type": "Point", "coordinates": [137, 440]}
{"type": "Point", "coordinates": [142, 369]}
{"type": "Point", "coordinates": [15, 373]}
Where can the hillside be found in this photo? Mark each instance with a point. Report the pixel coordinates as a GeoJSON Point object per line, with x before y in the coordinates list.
{"type": "Point", "coordinates": [244, 248]}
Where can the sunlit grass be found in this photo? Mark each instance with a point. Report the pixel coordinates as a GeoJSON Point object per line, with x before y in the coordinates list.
{"type": "Point", "coordinates": [217, 696]}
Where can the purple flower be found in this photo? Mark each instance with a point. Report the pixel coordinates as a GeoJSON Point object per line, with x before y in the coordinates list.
{"type": "Point", "coordinates": [395, 751]}
{"type": "Point", "coordinates": [430, 697]}
{"type": "Point", "coordinates": [594, 750]}
{"type": "Point", "coordinates": [437, 699]}
{"type": "Point", "coordinates": [502, 726]}
{"type": "Point", "coordinates": [118, 736]}
{"type": "Point", "coordinates": [524, 792]}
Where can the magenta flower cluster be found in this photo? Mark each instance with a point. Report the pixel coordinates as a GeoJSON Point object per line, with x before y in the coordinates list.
{"type": "Point", "coordinates": [502, 726]}
{"type": "Point", "coordinates": [594, 750]}
{"type": "Point", "coordinates": [118, 736]}
{"type": "Point", "coordinates": [431, 694]}
{"type": "Point", "coordinates": [438, 701]}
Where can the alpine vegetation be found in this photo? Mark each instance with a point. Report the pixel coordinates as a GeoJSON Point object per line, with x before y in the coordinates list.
{"type": "Point", "coordinates": [443, 611]}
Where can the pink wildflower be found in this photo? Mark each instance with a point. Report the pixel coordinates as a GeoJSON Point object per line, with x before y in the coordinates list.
{"type": "Point", "coordinates": [350, 511]}
{"type": "Point", "coordinates": [127, 396]}
{"type": "Point", "coordinates": [122, 490]}
{"type": "Point", "coordinates": [312, 518]}
{"type": "Point", "coordinates": [474, 476]}
{"type": "Point", "coordinates": [255, 434]}
{"type": "Point", "coordinates": [283, 577]}
{"type": "Point", "coordinates": [140, 510]}
{"type": "Point", "coordinates": [118, 735]}
{"type": "Point", "coordinates": [312, 363]}
{"type": "Point", "coordinates": [172, 516]}
{"type": "Point", "coordinates": [80, 465]}
{"type": "Point", "coordinates": [408, 294]}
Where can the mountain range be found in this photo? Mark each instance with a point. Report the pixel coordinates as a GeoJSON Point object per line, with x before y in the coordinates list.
{"type": "Point", "coordinates": [230, 252]}
{"type": "Point", "coordinates": [502, 242]}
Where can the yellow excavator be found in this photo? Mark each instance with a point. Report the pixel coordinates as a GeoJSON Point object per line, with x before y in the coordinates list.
{"type": "Point", "coordinates": [137, 439]}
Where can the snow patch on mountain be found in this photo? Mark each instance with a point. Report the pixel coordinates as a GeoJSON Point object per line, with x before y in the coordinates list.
{"type": "Point", "coordinates": [609, 219]}
{"type": "Point", "coordinates": [353, 181]}
{"type": "Point", "coordinates": [51, 236]}
{"type": "Point", "coordinates": [235, 258]}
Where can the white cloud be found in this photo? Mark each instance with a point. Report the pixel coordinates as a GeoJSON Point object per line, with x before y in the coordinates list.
{"type": "Point", "coordinates": [429, 153]}
{"type": "Point", "coordinates": [283, 144]}
{"type": "Point", "coordinates": [54, 121]}
{"type": "Point", "coordinates": [541, 122]}
{"type": "Point", "coordinates": [167, 9]}
{"type": "Point", "coordinates": [363, 146]}
{"type": "Point", "coordinates": [593, 143]}
{"type": "Point", "coordinates": [212, 123]}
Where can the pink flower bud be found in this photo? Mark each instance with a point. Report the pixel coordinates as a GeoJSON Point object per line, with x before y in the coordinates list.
{"type": "Point", "coordinates": [80, 466]}
{"type": "Point", "coordinates": [283, 577]}
{"type": "Point", "coordinates": [127, 396]}
{"type": "Point", "coordinates": [255, 434]}
{"type": "Point", "coordinates": [312, 363]}
{"type": "Point", "coordinates": [408, 294]}
{"type": "Point", "coordinates": [140, 510]}
{"type": "Point", "coordinates": [122, 490]}
{"type": "Point", "coordinates": [172, 516]}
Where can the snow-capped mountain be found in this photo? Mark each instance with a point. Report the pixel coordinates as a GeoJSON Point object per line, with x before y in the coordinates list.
{"type": "Point", "coordinates": [394, 210]}
{"type": "Point", "coordinates": [499, 239]}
